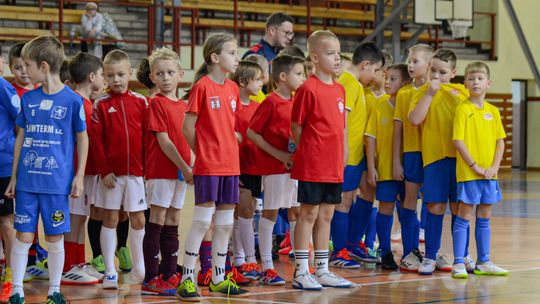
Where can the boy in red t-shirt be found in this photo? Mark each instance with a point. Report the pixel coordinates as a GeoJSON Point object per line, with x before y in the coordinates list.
{"type": "Point", "coordinates": [318, 127]}
{"type": "Point", "coordinates": [21, 81]}
{"type": "Point", "coordinates": [167, 152]}
{"type": "Point", "coordinates": [270, 130]}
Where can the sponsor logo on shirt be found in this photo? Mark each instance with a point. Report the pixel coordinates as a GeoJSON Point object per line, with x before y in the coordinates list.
{"type": "Point", "coordinates": [58, 218]}
{"type": "Point", "coordinates": [384, 121]}
{"type": "Point", "coordinates": [33, 105]}
{"type": "Point", "coordinates": [33, 160]}
{"type": "Point", "coordinates": [46, 104]}
{"type": "Point", "coordinates": [215, 102]}
{"type": "Point", "coordinates": [488, 116]}
{"type": "Point", "coordinates": [27, 142]}
{"type": "Point", "coordinates": [111, 110]}
{"type": "Point", "coordinates": [22, 219]}
{"type": "Point", "coordinates": [341, 106]}
{"type": "Point", "coordinates": [233, 103]}
{"type": "Point", "coordinates": [59, 112]}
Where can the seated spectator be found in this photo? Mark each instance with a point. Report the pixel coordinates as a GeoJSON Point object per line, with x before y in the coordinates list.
{"type": "Point", "coordinates": [92, 24]}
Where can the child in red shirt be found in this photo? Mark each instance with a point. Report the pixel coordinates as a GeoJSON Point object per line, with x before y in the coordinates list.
{"type": "Point", "coordinates": [21, 81]}
{"type": "Point", "coordinates": [318, 127]}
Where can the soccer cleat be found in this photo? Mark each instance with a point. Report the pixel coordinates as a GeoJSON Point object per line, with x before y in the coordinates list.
{"type": "Point", "coordinates": [470, 264]}
{"type": "Point", "coordinates": [5, 293]}
{"type": "Point", "coordinates": [459, 271]}
{"type": "Point", "coordinates": [343, 260]}
{"type": "Point", "coordinates": [443, 263]}
{"type": "Point", "coordinates": [358, 253]}
{"type": "Point", "coordinates": [396, 236]}
{"type": "Point", "coordinates": [76, 276]}
{"type": "Point", "coordinates": [330, 279]}
{"type": "Point", "coordinates": [410, 263]}
{"type": "Point", "coordinates": [98, 263]}
{"type": "Point", "coordinates": [187, 291]}
{"type": "Point", "coordinates": [388, 262]}
{"type": "Point", "coordinates": [16, 299]}
{"type": "Point", "coordinates": [110, 281]}
{"type": "Point", "coordinates": [250, 271]}
{"type": "Point", "coordinates": [285, 250]}
{"type": "Point", "coordinates": [286, 241]}
{"type": "Point", "coordinates": [422, 236]}
{"type": "Point", "coordinates": [271, 278]}
{"type": "Point", "coordinates": [306, 281]}
{"type": "Point", "coordinates": [238, 277]}
{"type": "Point", "coordinates": [56, 298]}
{"type": "Point", "coordinates": [124, 259]}
{"type": "Point", "coordinates": [203, 279]}
{"type": "Point", "coordinates": [488, 268]}
{"type": "Point", "coordinates": [174, 280]}
{"type": "Point", "coordinates": [427, 267]}
{"type": "Point", "coordinates": [228, 287]}
{"type": "Point", "coordinates": [157, 286]}
{"type": "Point", "coordinates": [91, 271]}
{"type": "Point", "coordinates": [38, 271]}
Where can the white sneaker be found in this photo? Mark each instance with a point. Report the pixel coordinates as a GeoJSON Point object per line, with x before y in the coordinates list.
{"type": "Point", "coordinates": [470, 264]}
{"type": "Point", "coordinates": [110, 281]}
{"type": "Point", "coordinates": [427, 267]}
{"type": "Point", "coordinates": [459, 271]}
{"type": "Point", "coordinates": [443, 263]}
{"type": "Point", "coordinates": [488, 268]}
{"type": "Point", "coordinates": [38, 271]}
{"type": "Point", "coordinates": [330, 279]}
{"type": "Point", "coordinates": [306, 281]}
{"type": "Point", "coordinates": [136, 275]}
{"type": "Point", "coordinates": [410, 263]}
{"type": "Point", "coordinates": [422, 235]}
{"type": "Point", "coordinates": [76, 276]}
{"type": "Point", "coordinates": [91, 271]}
{"type": "Point", "coordinates": [396, 236]}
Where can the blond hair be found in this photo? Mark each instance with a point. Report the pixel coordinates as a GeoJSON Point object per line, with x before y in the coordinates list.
{"type": "Point", "coordinates": [316, 37]}
{"type": "Point", "coordinates": [164, 54]}
{"type": "Point", "coordinates": [116, 57]}
{"type": "Point", "coordinates": [421, 47]}
{"type": "Point", "coordinates": [477, 67]}
{"type": "Point", "coordinates": [388, 59]}
{"type": "Point", "coordinates": [45, 49]}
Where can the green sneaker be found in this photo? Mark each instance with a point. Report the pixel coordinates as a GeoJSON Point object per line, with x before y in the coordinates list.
{"type": "Point", "coordinates": [228, 288]}
{"type": "Point", "coordinates": [56, 298]}
{"type": "Point", "coordinates": [16, 299]}
{"type": "Point", "coordinates": [98, 264]}
{"type": "Point", "coordinates": [124, 259]}
{"type": "Point", "coordinates": [187, 291]}
{"type": "Point", "coordinates": [330, 246]}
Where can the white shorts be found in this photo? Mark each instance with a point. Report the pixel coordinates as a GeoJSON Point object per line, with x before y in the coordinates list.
{"type": "Point", "coordinates": [166, 192]}
{"type": "Point", "coordinates": [280, 191]}
{"type": "Point", "coordinates": [81, 205]}
{"type": "Point", "coordinates": [128, 193]}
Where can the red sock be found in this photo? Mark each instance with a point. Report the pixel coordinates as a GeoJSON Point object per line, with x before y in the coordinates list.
{"type": "Point", "coordinates": [81, 258]}
{"type": "Point", "coordinates": [71, 255]}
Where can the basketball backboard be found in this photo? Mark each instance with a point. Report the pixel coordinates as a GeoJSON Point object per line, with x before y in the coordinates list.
{"type": "Point", "coordinates": [434, 11]}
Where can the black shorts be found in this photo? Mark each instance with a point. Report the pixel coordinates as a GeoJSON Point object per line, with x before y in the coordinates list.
{"type": "Point", "coordinates": [314, 193]}
{"type": "Point", "coordinates": [253, 183]}
{"type": "Point", "coordinates": [6, 204]}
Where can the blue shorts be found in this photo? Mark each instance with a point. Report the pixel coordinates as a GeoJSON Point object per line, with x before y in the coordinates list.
{"type": "Point", "coordinates": [481, 191]}
{"type": "Point", "coordinates": [413, 168]}
{"type": "Point", "coordinates": [54, 210]}
{"type": "Point", "coordinates": [440, 184]}
{"type": "Point", "coordinates": [353, 175]}
{"type": "Point", "coordinates": [389, 191]}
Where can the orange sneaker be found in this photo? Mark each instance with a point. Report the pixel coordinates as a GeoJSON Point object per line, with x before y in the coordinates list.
{"type": "Point", "coordinates": [238, 277]}
{"type": "Point", "coordinates": [203, 279]}
{"type": "Point", "coordinates": [175, 280]}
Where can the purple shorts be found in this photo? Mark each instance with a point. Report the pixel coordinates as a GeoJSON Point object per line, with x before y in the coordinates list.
{"type": "Point", "coordinates": [218, 189]}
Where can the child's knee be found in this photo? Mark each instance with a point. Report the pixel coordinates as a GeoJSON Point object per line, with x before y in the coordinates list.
{"type": "Point", "coordinates": [137, 220]}
{"type": "Point", "coordinates": [308, 214]}
{"type": "Point", "coordinates": [437, 208]}
{"type": "Point", "coordinates": [483, 211]}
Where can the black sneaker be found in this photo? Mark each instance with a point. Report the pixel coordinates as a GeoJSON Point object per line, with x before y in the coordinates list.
{"type": "Point", "coordinates": [187, 291]}
{"type": "Point", "coordinates": [16, 299]}
{"type": "Point", "coordinates": [388, 262]}
{"type": "Point", "coordinates": [56, 298]}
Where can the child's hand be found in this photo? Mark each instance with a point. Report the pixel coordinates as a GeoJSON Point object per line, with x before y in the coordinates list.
{"type": "Point", "coordinates": [397, 173]}
{"type": "Point", "coordinates": [110, 180]}
{"type": "Point", "coordinates": [188, 175]}
{"type": "Point", "coordinates": [10, 190]}
{"type": "Point", "coordinates": [77, 187]}
{"type": "Point", "coordinates": [479, 170]}
{"type": "Point", "coordinates": [285, 158]}
{"type": "Point", "coordinates": [373, 177]}
{"type": "Point", "coordinates": [491, 172]}
{"type": "Point", "coordinates": [434, 87]}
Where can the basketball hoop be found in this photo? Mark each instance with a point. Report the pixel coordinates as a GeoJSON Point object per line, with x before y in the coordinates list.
{"type": "Point", "coordinates": [459, 28]}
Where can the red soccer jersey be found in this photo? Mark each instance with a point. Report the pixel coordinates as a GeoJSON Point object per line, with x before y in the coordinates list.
{"type": "Point", "coordinates": [165, 115]}
{"type": "Point", "coordinates": [20, 90]}
{"type": "Point", "coordinates": [319, 108]}
{"type": "Point", "coordinates": [248, 150]}
{"type": "Point", "coordinates": [214, 104]}
{"type": "Point", "coordinates": [273, 122]}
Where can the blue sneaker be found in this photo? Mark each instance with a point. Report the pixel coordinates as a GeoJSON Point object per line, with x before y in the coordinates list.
{"type": "Point", "coordinates": [343, 260]}
{"type": "Point", "coordinates": [250, 271]}
{"type": "Point", "coordinates": [271, 278]}
{"type": "Point", "coordinates": [41, 253]}
{"type": "Point", "coordinates": [359, 253]}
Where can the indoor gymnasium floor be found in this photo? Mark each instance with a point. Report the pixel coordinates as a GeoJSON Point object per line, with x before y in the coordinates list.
{"type": "Point", "coordinates": [515, 246]}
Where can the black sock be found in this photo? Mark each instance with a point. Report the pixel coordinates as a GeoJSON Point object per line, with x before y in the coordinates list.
{"type": "Point", "coordinates": [122, 234]}
{"type": "Point", "coordinates": [94, 231]}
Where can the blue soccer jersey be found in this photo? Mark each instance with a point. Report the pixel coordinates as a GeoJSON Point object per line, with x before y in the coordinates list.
{"type": "Point", "coordinates": [50, 123]}
{"type": "Point", "coordinates": [9, 107]}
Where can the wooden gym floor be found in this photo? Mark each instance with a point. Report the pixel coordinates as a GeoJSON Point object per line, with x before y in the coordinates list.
{"type": "Point", "coordinates": [515, 246]}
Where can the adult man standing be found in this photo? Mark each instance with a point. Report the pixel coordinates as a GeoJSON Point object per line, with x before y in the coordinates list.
{"type": "Point", "coordinates": [278, 35]}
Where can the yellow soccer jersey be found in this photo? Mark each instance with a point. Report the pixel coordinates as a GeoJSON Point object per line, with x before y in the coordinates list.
{"type": "Point", "coordinates": [259, 98]}
{"type": "Point", "coordinates": [381, 127]}
{"type": "Point", "coordinates": [437, 128]}
{"type": "Point", "coordinates": [479, 129]}
{"type": "Point", "coordinates": [411, 136]}
{"type": "Point", "coordinates": [372, 99]}
{"type": "Point", "coordinates": [357, 117]}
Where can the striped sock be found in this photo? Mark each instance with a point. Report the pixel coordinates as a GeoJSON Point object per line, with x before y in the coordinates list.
{"type": "Point", "coordinates": [321, 262]}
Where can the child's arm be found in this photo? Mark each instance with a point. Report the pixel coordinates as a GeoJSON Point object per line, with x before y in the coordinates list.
{"type": "Point", "coordinates": [397, 168]}
{"type": "Point", "coordinates": [260, 142]}
{"type": "Point", "coordinates": [466, 155]}
{"type": "Point", "coordinates": [419, 112]}
{"type": "Point", "coordinates": [346, 140]}
{"type": "Point", "coordinates": [169, 149]}
{"type": "Point", "coordinates": [491, 172]}
{"type": "Point", "coordinates": [77, 186]}
{"type": "Point", "coordinates": [189, 130]}
{"type": "Point", "coordinates": [10, 190]}
{"type": "Point", "coordinates": [371, 145]}
{"type": "Point", "coordinates": [296, 132]}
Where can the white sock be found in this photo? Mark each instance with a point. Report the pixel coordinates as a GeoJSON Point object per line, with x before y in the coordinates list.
{"type": "Point", "coordinates": [301, 258]}
{"type": "Point", "coordinates": [292, 228]}
{"type": "Point", "coordinates": [19, 259]}
{"type": "Point", "coordinates": [247, 236]}
{"type": "Point", "coordinates": [321, 262]}
{"type": "Point", "coordinates": [266, 227]}
{"type": "Point", "coordinates": [56, 264]}
{"type": "Point", "coordinates": [202, 217]}
{"type": "Point", "coordinates": [107, 239]}
{"type": "Point", "coordinates": [238, 250]}
{"type": "Point", "coordinates": [136, 246]}
{"type": "Point", "coordinates": [223, 222]}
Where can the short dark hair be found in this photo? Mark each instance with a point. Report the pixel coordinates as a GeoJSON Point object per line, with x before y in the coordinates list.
{"type": "Point", "coordinates": [143, 74]}
{"type": "Point", "coordinates": [276, 19]}
{"type": "Point", "coordinates": [82, 65]}
{"type": "Point", "coordinates": [403, 69]}
{"type": "Point", "coordinates": [15, 52]}
{"type": "Point", "coordinates": [293, 50]}
{"type": "Point", "coordinates": [284, 64]}
{"type": "Point", "coordinates": [65, 75]}
{"type": "Point", "coordinates": [367, 51]}
{"type": "Point", "coordinates": [447, 56]}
